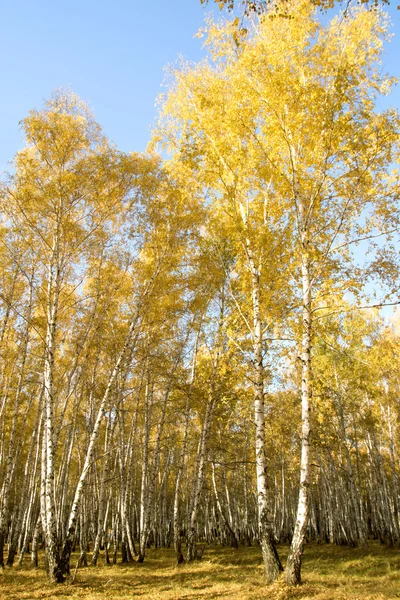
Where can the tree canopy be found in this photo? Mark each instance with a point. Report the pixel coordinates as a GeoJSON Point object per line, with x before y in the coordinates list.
{"type": "Point", "coordinates": [191, 347]}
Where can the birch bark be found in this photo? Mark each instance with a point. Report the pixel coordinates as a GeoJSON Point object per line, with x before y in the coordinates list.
{"type": "Point", "coordinates": [293, 566]}
{"type": "Point", "coordinates": [49, 523]}
{"type": "Point", "coordinates": [272, 563]}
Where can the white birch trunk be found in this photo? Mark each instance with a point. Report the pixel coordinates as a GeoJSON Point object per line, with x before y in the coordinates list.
{"type": "Point", "coordinates": [145, 467]}
{"type": "Point", "coordinates": [272, 563]}
{"type": "Point", "coordinates": [48, 463]}
{"type": "Point", "coordinates": [293, 567]}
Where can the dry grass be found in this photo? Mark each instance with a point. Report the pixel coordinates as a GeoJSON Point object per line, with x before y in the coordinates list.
{"type": "Point", "coordinates": [329, 573]}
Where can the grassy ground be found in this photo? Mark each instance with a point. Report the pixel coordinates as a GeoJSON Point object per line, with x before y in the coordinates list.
{"type": "Point", "coordinates": [329, 573]}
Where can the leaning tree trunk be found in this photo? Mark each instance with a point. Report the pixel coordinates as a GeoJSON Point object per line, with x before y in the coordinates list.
{"type": "Point", "coordinates": [127, 348]}
{"type": "Point", "coordinates": [228, 521]}
{"type": "Point", "coordinates": [102, 494]}
{"type": "Point", "coordinates": [67, 545]}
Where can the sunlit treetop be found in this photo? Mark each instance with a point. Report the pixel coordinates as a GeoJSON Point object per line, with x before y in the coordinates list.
{"type": "Point", "coordinates": [283, 6]}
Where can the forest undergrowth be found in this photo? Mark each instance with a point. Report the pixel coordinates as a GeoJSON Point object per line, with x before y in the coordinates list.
{"type": "Point", "coordinates": [330, 572]}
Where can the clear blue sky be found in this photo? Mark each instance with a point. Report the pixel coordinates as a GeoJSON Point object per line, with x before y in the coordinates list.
{"type": "Point", "coordinates": [112, 54]}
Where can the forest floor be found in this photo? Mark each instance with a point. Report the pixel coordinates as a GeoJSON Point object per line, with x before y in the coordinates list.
{"type": "Point", "coordinates": [329, 573]}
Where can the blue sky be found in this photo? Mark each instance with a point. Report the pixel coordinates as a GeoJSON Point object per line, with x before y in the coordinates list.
{"type": "Point", "coordinates": [112, 54]}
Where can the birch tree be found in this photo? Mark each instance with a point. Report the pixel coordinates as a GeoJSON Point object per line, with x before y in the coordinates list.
{"type": "Point", "coordinates": [285, 119]}
{"type": "Point", "coordinates": [68, 186]}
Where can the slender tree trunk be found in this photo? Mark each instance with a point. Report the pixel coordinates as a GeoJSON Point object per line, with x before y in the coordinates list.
{"type": "Point", "coordinates": [360, 525]}
{"type": "Point", "coordinates": [200, 471]}
{"type": "Point", "coordinates": [293, 566]}
{"type": "Point", "coordinates": [145, 467]}
{"type": "Point", "coordinates": [6, 487]}
{"type": "Point", "coordinates": [228, 521]}
{"type": "Point", "coordinates": [35, 542]}
{"type": "Point", "coordinates": [102, 494]}
{"type": "Point", "coordinates": [272, 563]}
{"type": "Point", "coordinates": [151, 479]}
{"type": "Point", "coordinates": [176, 514]}
{"type": "Point", "coordinates": [67, 545]}
{"type": "Point", "coordinates": [49, 509]}
{"type": "Point", "coordinates": [12, 449]}
{"type": "Point", "coordinates": [32, 488]}
{"type": "Point", "coordinates": [201, 458]}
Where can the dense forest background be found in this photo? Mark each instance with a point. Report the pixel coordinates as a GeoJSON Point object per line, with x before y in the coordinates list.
{"type": "Point", "coordinates": [192, 350]}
